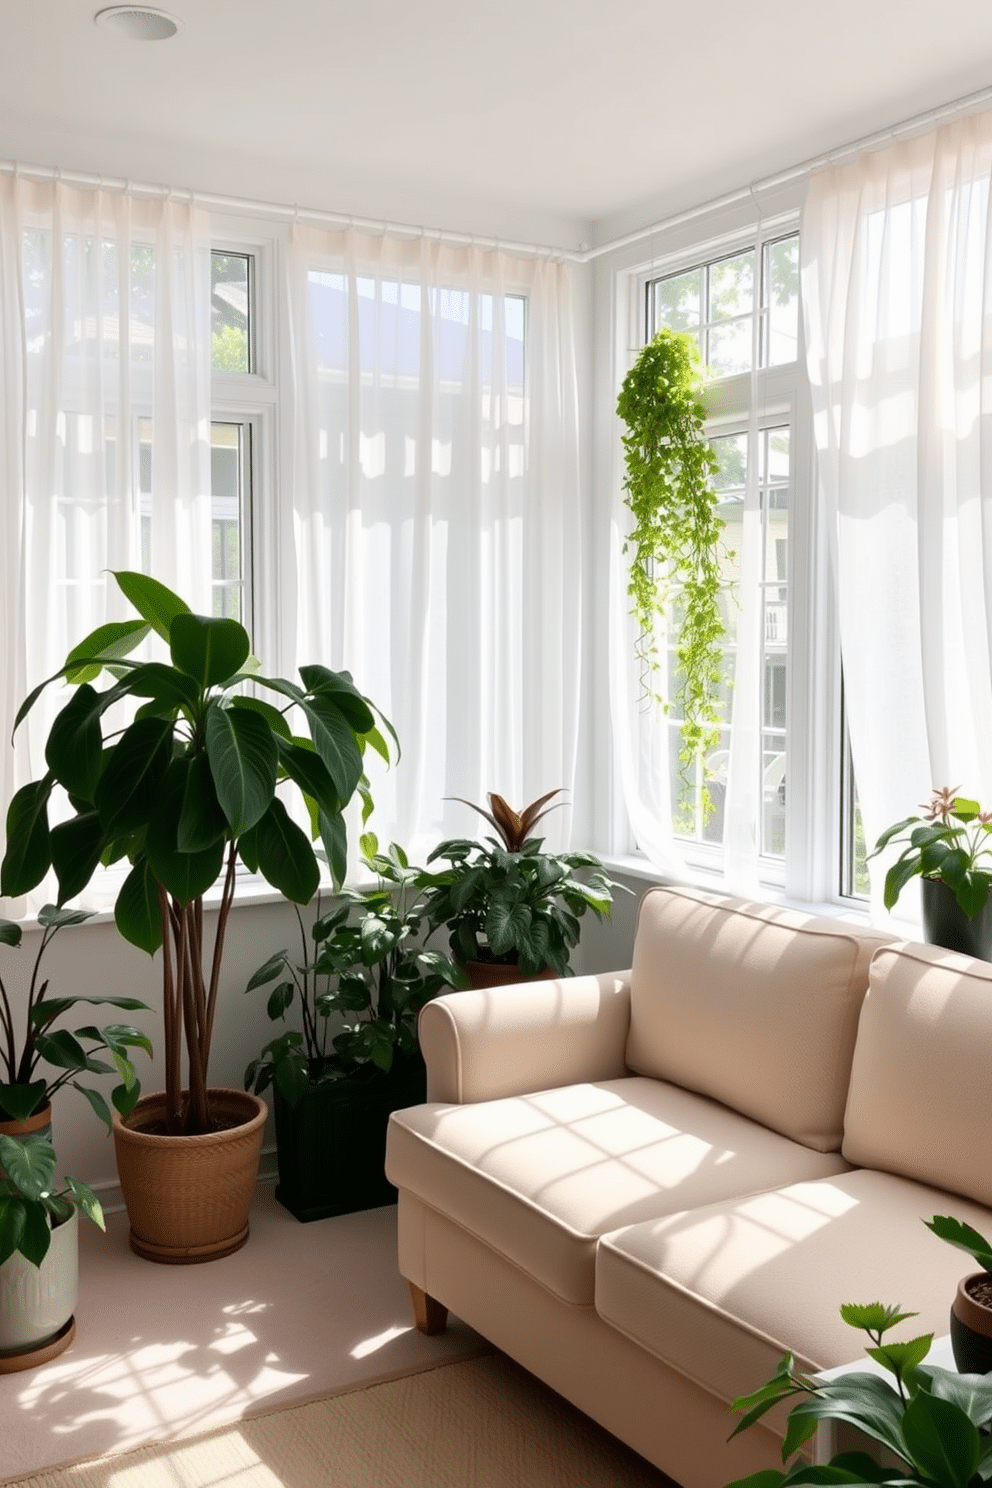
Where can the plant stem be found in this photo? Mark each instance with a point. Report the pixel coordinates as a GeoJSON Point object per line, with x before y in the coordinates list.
{"type": "Point", "coordinates": [6, 1022]}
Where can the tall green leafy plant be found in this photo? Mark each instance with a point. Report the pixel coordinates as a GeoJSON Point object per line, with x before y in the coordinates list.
{"type": "Point", "coordinates": [183, 788]}
{"type": "Point", "coordinates": [673, 546]}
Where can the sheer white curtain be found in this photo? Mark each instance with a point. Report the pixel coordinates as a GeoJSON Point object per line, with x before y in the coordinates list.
{"type": "Point", "coordinates": [435, 504]}
{"type": "Point", "coordinates": [104, 425]}
{"type": "Point", "coordinates": [896, 280]}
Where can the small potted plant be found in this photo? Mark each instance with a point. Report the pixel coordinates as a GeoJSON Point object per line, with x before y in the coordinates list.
{"type": "Point", "coordinates": [971, 1310]}
{"type": "Point", "coordinates": [934, 1421]}
{"type": "Point", "coordinates": [38, 1252]}
{"type": "Point", "coordinates": [25, 1090]}
{"type": "Point", "coordinates": [513, 911]}
{"type": "Point", "coordinates": [354, 1056]}
{"type": "Point", "coordinates": [185, 788]}
{"type": "Point", "coordinates": [950, 849]}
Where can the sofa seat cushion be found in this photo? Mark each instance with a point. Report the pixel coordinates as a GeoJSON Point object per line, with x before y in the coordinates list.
{"type": "Point", "coordinates": [722, 1292]}
{"type": "Point", "coordinates": [540, 1177]}
{"type": "Point", "coordinates": [752, 1004]}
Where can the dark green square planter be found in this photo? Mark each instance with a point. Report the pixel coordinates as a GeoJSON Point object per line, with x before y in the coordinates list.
{"type": "Point", "coordinates": [332, 1144]}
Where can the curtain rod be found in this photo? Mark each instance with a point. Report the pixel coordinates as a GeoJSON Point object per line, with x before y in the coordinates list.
{"type": "Point", "coordinates": [581, 255]}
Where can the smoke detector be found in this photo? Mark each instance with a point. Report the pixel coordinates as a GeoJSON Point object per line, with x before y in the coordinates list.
{"type": "Point", "coordinates": [138, 23]}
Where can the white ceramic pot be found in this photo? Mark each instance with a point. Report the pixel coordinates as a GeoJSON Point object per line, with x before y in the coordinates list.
{"type": "Point", "coordinates": [36, 1302]}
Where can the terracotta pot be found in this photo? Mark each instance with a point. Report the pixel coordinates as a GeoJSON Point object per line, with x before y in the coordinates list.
{"type": "Point", "coordinates": [41, 1121]}
{"type": "Point", "coordinates": [187, 1198]}
{"type": "Point", "coordinates": [500, 974]}
{"type": "Point", "coordinates": [946, 924]}
{"type": "Point", "coordinates": [971, 1326]}
{"type": "Point", "coordinates": [37, 1302]}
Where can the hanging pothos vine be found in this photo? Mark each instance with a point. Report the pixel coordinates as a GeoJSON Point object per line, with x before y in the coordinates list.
{"type": "Point", "coordinates": [674, 544]}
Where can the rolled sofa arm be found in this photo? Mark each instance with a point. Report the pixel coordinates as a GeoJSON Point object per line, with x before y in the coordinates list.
{"type": "Point", "coordinates": [501, 1041]}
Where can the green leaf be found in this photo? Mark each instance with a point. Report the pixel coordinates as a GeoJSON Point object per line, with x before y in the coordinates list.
{"type": "Point", "coordinates": [506, 925]}
{"type": "Point", "coordinates": [165, 685]}
{"type": "Point", "coordinates": [131, 780]}
{"type": "Point", "coordinates": [863, 1400]}
{"type": "Point", "coordinates": [973, 893]}
{"type": "Point", "coordinates": [941, 1440]}
{"type": "Point", "coordinates": [76, 848]}
{"type": "Point", "coordinates": [56, 915]}
{"type": "Point", "coordinates": [207, 649]}
{"type": "Point", "coordinates": [243, 759]}
{"type": "Point", "coordinates": [307, 770]}
{"type": "Point", "coordinates": [97, 1101]}
{"type": "Point", "coordinates": [266, 973]}
{"type": "Point", "coordinates": [87, 1201]}
{"type": "Point", "coordinates": [971, 1393]}
{"type": "Point", "coordinates": [963, 1237]}
{"type": "Point", "coordinates": [29, 1163]}
{"type": "Point", "coordinates": [112, 641]}
{"type": "Point", "coordinates": [272, 716]}
{"type": "Point", "coordinates": [21, 1101]}
{"type": "Point", "coordinates": [137, 911]}
{"type": "Point", "coordinates": [335, 742]}
{"type": "Point", "coordinates": [10, 933]}
{"type": "Point", "coordinates": [37, 1235]}
{"type": "Point", "coordinates": [186, 875]}
{"type": "Point", "coordinates": [347, 699]}
{"type": "Point", "coordinates": [873, 1317]}
{"type": "Point", "coordinates": [152, 600]}
{"type": "Point", "coordinates": [285, 858]}
{"type": "Point", "coordinates": [65, 1051]}
{"type": "Point", "coordinates": [74, 748]}
{"type": "Point", "coordinates": [13, 1221]}
{"type": "Point", "coordinates": [202, 823]}
{"type": "Point", "coordinates": [28, 855]}
{"type": "Point", "coordinates": [334, 836]}
{"type": "Point", "coordinates": [898, 877]}
{"type": "Point", "coordinates": [280, 999]}
{"type": "Point", "coordinates": [901, 1358]}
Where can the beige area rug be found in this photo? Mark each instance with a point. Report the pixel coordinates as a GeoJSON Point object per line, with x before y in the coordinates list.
{"type": "Point", "coordinates": [480, 1423]}
{"type": "Point", "coordinates": [168, 1351]}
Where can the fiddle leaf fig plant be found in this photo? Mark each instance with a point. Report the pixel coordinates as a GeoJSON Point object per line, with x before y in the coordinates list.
{"type": "Point", "coordinates": [674, 543]}
{"type": "Point", "coordinates": [183, 788]}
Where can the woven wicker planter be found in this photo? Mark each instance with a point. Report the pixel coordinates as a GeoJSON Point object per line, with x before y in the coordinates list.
{"type": "Point", "coordinates": [187, 1198]}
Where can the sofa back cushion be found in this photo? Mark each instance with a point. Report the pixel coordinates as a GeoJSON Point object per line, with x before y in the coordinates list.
{"type": "Point", "coordinates": [754, 1005]}
{"type": "Point", "coordinates": [919, 1099]}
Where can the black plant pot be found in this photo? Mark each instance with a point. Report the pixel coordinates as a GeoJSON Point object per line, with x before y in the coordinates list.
{"type": "Point", "coordinates": [332, 1144]}
{"type": "Point", "coordinates": [946, 924]}
{"type": "Point", "coordinates": [971, 1324]}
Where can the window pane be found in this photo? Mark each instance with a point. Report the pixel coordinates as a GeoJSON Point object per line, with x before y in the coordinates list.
{"type": "Point", "coordinates": [728, 348]}
{"type": "Point", "coordinates": [231, 312]}
{"type": "Point", "coordinates": [227, 486]}
{"type": "Point", "coordinates": [774, 497]}
{"type": "Point", "coordinates": [731, 287]}
{"type": "Point", "coordinates": [678, 301]}
{"type": "Point", "coordinates": [781, 298]}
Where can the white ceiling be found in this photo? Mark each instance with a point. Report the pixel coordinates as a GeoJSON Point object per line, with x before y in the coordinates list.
{"type": "Point", "coordinates": [571, 117]}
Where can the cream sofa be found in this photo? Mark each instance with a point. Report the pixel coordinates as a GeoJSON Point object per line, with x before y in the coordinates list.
{"type": "Point", "coordinates": [647, 1186]}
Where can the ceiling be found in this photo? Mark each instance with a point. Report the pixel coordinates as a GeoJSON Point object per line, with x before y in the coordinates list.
{"type": "Point", "coordinates": [574, 118]}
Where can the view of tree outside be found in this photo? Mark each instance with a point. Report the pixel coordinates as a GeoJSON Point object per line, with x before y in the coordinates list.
{"type": "Point", "coordinates": [231, 312]}
{"type": "Point", "coordinates": [719, 301]}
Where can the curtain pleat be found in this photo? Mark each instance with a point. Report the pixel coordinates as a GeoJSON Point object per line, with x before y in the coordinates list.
{"type": "Point", "coordinates": [436, 513]}
{"type": "Point", "coordinates": [104, 425]}
{"type": "Point", "coordinates": [896, 263]}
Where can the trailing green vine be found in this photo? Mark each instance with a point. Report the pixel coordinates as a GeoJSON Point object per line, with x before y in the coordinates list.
{"type": "Point", "coordinates": [674, 543]}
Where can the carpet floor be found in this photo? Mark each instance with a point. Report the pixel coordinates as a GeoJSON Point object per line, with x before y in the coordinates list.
{"type": "Point", "coordinates": [477, 1423]}
{"type": "Point", "coordinates": [161, 1352]}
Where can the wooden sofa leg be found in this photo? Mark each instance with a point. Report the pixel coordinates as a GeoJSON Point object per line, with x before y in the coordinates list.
{"type": "Point", "coordinates": [429, 1315]}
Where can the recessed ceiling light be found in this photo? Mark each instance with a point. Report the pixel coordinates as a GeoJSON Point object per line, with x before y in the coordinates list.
{"type": "Point", "coordinates": [138, 23]}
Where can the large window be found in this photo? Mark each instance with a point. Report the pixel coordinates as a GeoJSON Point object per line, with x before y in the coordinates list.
{"type": "Point", "coordinates": [744, 309]}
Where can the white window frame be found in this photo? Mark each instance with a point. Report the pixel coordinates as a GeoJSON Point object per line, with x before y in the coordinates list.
{"type": "Point", "coordinates": [811, 872]}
